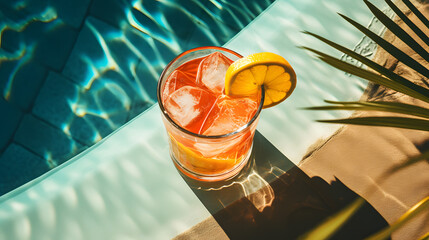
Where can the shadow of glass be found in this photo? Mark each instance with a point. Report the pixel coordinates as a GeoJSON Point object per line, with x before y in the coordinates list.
{"type": "Point", "coordinates": [272, 198]}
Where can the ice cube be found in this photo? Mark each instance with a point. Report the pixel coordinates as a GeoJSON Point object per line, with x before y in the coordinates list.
{"type": "Point", "coordinates": [176, 80]}
{"type": "Point", "coordinates": [212, 70]}
{"type": "Point", "coordinates": [188, 106]}
{"type": "Point", "coordinates": [229, 115]}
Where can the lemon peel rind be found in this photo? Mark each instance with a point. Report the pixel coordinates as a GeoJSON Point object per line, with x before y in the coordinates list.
{"type": "Point", "coordinates": [263, 58]}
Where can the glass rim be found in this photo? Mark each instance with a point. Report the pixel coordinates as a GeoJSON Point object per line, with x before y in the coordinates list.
{"type": "Point", "coordinates": [170, 120]}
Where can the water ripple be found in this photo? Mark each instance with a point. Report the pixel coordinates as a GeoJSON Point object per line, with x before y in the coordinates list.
{"type": "Point", "coordinates": [113, 64]}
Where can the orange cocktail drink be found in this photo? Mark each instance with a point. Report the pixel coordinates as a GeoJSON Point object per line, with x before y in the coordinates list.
{"type": "Point", "coordinates": [210, 133]}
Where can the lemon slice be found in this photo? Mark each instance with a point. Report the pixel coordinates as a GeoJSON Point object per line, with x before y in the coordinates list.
{"type": "Point", "coordinates": [195, 161]}
{"type": "Point", "coordinates": [245, 77]}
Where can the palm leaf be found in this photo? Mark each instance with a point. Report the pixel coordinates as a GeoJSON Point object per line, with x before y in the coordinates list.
{"type": "Point", "coordinates": [384, 71]}
{"type": "Point", "coordinates": [398, 31]}
{"type": "Point", "coordinates": [394, 51]}
{"type": "Point", "coordinates": [394, 107]}
{"type": "Point", "coordinates": [390, 80]}
{"type": "Point", "coordinates": [424, 237]}
{"type": "Point", "coordinates": [399, 122]}
{"type": "Point", "coordinates": [370, 76]}
{"type": "Point", "coordinates": [412, 212]}
{"type": "Point", "coordinates": [407, 21]}
{"type": "Point", "coordinates": [409, 162]}
{"type": "Point", "coordinates": [416, 12]}
{"type": "Point", "coordinates": [330, 226]}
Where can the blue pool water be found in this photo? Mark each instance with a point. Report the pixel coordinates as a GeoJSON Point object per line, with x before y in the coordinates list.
{"type": "Point", "coordinates": [71, 72]}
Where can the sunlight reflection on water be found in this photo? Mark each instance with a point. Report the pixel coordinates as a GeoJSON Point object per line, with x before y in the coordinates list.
{"type": "Point", "coordinates": [113, 63]}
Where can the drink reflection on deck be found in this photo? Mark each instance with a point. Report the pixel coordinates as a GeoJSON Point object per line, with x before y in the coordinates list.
{"type": "Point", "coordinates": [273, 199]}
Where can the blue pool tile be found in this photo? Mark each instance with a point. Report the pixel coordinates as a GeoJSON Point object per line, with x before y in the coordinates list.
{"type": "Point", "coordinates": [25, 7]}
{"type": "Point", "coordinates": [166, 51]}
{"type": "Point", "coordinates": [110, 11]}
{"type": "Point", "coordinates": [180, 22]}
{"type": "Point", "coordinates": [56, 104]}
{"type": "Point", "coordinates": [146, 79]}
{"type": "Point", "coordinates": [14, 21]}
{"type": "Point", "coordinates": [85, 115]}
{"type": "Point", "coordinates": [149, 27]}
{"type": "Point", "coordinates": [88, 131]}
{"type": "Point", "coordinates": [104, 65]}
{"type": "Point", "coordinates": [155, 51]}
{"type": "Point", "coordinates": [11, 40]}
{"type": "Point", "coordinates": [9, 123]}
{"type": "Point", "coordinates": [11, 12]}
{"type": "Point", "coordinates": [88, 54]}
{"type": "Point", "coordinates": [71, 12]}
{"type": "Point", "coordinates": [142, 42]}
{"type": "Point", "coordinates": [123, 56]}
{"type": "Point", "coordinates": [110, 96]}
{"type": "Point", "coordinates": [102, 48]}
{"type": "Point", "coordinates": [200, 38]}
{"type": "Point", "coordinates": [18, 166]}
{"type": "Point", "coordinates": [238, 15]}
{"type": "Point", "coordinates": [55, 41]}
{"type": "Point", "coordinates": [20, 81]}
{"type": "Point", "coordinates": [159, 28]}
{"type": "Point", "coordinates": [46, 140]}
{"type": "Point", "coordinates": [37, 26]}
{"type": "Point", "coordinates": [53, 102]}
{"type": "Point", "coordinates": [101, 113]}
{"type": "Point", "coordinates": [211, 29]}
{"type": "Point", "coordinates": [138, 108]}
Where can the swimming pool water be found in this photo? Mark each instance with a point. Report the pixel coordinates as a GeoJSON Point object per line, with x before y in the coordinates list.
{"type": "Point", "coordinates": [71, 72]}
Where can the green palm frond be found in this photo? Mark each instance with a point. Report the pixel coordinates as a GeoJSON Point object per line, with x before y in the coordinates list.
{"type": "Point", "coordinates": [382, 75]}
{"type": "Point", "coordinates": [392, 50]}
{"type": "Point", "coordinates": [407, 216]}
{"type": "Point", "coordinates": [398, 122]}
{"type": "Point", "coordinates": [408, 162]}
{"type": "Point", "coordinates": [416, 12]}
{"type": "Point", "coordinates": [334, 223]}
{"type": "Point", "coordinates": [380, 69]}
{"type": "Point", "coordinates": [415, 117]}
{"type": "Point", "coordinates": [407, 88]}
{"type": "Point", "coordinates": [409, 23]}
{"type": "Point", "coordinates": [393, 107]}
{"type": "Point", "coordinates": [424, 237]}
{"type": "Point", "coordinates": [398, 31]}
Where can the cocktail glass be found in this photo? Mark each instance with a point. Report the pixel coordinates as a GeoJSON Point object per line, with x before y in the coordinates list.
{"type": "Point", "coordinates": [199, 156]}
